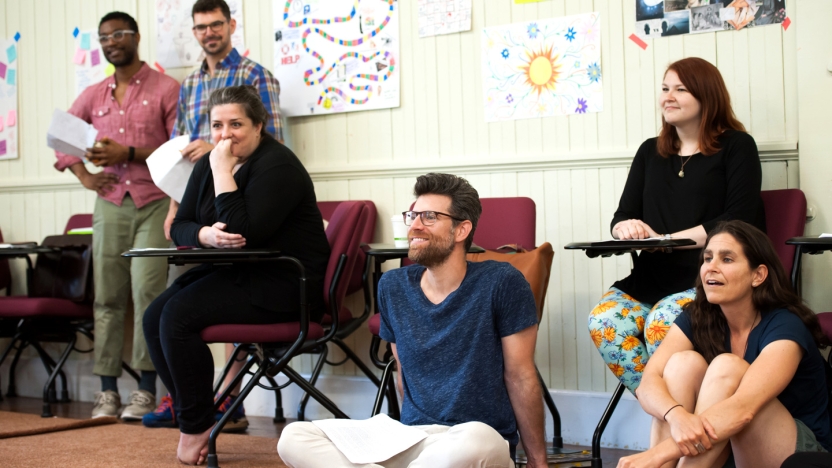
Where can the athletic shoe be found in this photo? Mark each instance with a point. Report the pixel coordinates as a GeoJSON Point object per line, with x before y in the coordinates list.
{"type": "Point", "coordinates": [107, 403]}
{"type": "Point", "coordinates": [238, 421]}
{"type": "Point", "coordinates": [164, 415]}
{"type": "Point", "coordinates": [142, 402]}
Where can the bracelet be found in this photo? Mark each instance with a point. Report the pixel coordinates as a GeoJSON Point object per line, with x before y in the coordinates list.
{"type": "Point", "coordinates": [131, 154]}
{"type": "Point", "coordinates": [668, 411]}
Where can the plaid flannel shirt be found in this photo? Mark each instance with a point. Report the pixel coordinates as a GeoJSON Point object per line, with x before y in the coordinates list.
{"type": "Point", "coordinates": [233, 70]}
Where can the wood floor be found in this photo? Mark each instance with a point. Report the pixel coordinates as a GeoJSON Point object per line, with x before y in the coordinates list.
{"type": "Point", "coordinates": [258, 425]}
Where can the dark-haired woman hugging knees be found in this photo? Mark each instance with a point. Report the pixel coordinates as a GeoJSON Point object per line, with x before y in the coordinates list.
{"type": "Point", "coordinates": [702, 169]}
{"type": "Point", "coordinates": [740, 372]}
{"type": "Point", "coordinates": [250, 192]}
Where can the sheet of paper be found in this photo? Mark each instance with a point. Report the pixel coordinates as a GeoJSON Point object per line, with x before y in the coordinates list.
{"type": "Point", "coordinates": [444, 17]}
{"type": "Point", "coordinates": [69, 134]}
{"type": "Point", "coordinates": [169, 170]}
{"type": "Point", "coordinates": [371, 440]}
{"type": "Point", "coordinates": [825, 234]}
{"type": "Point", "coordinates": [89, 64]}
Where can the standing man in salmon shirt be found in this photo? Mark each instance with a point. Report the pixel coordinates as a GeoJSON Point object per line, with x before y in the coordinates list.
{"type": "Point", "coordinates": [134, 111]}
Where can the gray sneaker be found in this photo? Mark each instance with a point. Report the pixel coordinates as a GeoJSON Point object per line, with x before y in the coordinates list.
{"type": "Point", "coordinates": [107, 403]}
{"type": "Point", "coordinates": [141, 403]}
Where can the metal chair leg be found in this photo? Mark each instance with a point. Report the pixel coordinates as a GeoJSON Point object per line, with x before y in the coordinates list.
{"type": "Point", "coordinates": [47, 409]}
{"type": "Point", "coordinates": [278, 402]}
{"type": "Point", "coordinates": [557, 440]}
{"type": "Point", "coordinates": [316, 372]}
{"type": "Point", "coordinates": [12, 389]}
{"type": "Point", "coordinates": [382, 388]}
{"type": "Point", "coordinates": [602, 424]}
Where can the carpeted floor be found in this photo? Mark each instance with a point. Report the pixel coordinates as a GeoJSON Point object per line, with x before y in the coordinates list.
{"type": "Point", "coordinates": [17, 424]}
{"type": "Point", "coordinates": [127, 445]}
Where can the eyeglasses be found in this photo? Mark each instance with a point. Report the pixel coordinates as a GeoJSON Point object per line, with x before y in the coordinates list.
{"type": "Point", "coordinates": [116, 36]}
{"type": "Point", "coordinates": [428, 217]}
{"type": "Point", "coordinates": [216, 26]}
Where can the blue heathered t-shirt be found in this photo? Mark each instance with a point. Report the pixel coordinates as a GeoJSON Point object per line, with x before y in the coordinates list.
{"type": "Point", "coordinates": [451, 352]}
{"type": "Point", "coordinates": [806, 395]}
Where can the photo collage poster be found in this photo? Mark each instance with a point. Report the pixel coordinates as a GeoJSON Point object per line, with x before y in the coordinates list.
{"type": "Point", "coordinates": [664, 18]}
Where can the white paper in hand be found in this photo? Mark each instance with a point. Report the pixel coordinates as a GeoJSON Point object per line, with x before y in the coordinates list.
{"type": "Point", "coordinates": [69, 134]}
{"type": "Point", "coordinates": [371, 440]}
{"type": "Point", "coordinates": [169, 170]}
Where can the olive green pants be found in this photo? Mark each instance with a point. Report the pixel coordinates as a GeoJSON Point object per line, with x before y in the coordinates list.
{"type": "Point", "coordinates": [116, 229]}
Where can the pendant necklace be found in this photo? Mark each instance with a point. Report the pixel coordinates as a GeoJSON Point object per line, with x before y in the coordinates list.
{"type": "Point", "coordinates": [682, 171]}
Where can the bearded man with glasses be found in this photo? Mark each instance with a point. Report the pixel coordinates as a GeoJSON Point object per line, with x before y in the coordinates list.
{"type": "Point", "coordinates": [133, 111]}
{"type": "Point", "coordinates": [463, 336]}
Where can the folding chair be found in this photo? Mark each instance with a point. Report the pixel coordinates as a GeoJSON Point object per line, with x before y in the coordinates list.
{"type": "Point", "coordinates": [277, 344]}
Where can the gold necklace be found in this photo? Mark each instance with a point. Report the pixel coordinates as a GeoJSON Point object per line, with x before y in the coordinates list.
{"type": "Point", "coordinates": [682, 171]}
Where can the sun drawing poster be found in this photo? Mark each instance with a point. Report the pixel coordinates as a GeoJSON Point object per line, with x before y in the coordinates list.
{"type": "Point", "coordinates": [542, 68]}
{"type": "Point", "coordinates": [336, 55]}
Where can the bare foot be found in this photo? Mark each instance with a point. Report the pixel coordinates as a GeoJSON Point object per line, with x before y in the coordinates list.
{"type": "Point", "coordinates": [193, 448]}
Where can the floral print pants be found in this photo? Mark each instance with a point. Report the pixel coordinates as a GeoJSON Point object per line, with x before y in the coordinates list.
{"type": "Point", "coordinates": [626, 331]}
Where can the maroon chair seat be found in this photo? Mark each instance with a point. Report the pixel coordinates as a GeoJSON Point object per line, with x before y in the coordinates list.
{"type": "Point", "coordinates": [18, 307]}
{"type": "Point", "coordinates": [273, 333]}
{"type": "Point", "coordinates": [374, 323]}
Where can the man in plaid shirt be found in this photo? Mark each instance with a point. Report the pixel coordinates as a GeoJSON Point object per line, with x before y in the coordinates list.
{"type": "Point", "coordinates": [223, 66]}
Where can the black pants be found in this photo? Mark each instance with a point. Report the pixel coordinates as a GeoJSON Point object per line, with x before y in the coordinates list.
{"type": "Point", "coordinates": [809, 460]}
{"type": "Point", "coordinates": [172, 324]}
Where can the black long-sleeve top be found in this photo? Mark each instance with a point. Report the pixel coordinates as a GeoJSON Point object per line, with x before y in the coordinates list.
{"type": "Point", "coordinates": [720, 187]}
{"type": "Point", "coordinates": [274, 206]}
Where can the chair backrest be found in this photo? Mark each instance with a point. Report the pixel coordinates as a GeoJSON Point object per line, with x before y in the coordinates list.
{"type": "Point", "coordinates": [368, 231]}
{"type": "Point", "coordinates": [344, 236]}
{"type": "Point", "coordinates": [5, 272]}
{"type": "Point", "coordinates": [785, 218]}
{"type": "Point", "coordinates": [66, 273]}
{"type": "Point", "coordinates": [78, 221]}
{"type": "Point", "coordinates": [506, 221]}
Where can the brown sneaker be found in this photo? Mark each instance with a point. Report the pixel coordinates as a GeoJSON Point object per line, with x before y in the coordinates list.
{"type": "Point", "coordinates": [107, 403]}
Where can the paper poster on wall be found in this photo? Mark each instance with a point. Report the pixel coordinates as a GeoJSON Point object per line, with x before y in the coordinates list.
{"type": "Point", "coordinates": [8, 99]}
{"type": "Point", "coordinates": [663, 18]}
{"type": "Point", "coordinates": [336, 55]}
{"type": "Point", "coordinates": [444, 17]}
{"type": "Point", "coordinates": [90, 64]}
{"type": "Point", "coordinates": [176, 45]}
{"type": "Point", "coordinates": [542, 68]}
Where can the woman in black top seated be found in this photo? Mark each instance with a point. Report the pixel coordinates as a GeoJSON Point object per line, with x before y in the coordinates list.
{"type": "Point", "coordinates": [740, 371]}
{"type": "Point", "coordinates": [251, 192]}
{"type": "Point", "coordinates": [702, 169]}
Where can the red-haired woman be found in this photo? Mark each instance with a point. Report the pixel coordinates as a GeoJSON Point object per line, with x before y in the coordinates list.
{"type": "Point", "coordinates": [740, 372]}
{"type": "Point", "coordinates": [702, 169]}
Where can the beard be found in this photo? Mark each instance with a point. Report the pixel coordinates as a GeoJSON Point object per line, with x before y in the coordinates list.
{"type": "Point", "coordinates": [434, 253]}
{"type": "Point", "coordinates": [127, 57]}
{"type": "Point", "coordinates": [220, 44]}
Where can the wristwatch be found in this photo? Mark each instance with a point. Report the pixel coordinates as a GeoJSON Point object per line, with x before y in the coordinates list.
{"type": "Point", "coordinates": [132, 154]}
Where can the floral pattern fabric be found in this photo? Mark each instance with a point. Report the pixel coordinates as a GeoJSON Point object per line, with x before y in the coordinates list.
{"type": "Point", "coordinates": [627, 331]}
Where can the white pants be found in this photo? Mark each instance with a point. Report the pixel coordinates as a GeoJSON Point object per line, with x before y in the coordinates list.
{"type": "Point", "coordinates": [473, 444]}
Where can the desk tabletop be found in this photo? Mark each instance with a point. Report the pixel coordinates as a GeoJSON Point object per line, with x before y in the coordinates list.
{"type": "Point", "coordinates": [217, 254]}
{"type": "Point", "coordinates": [817, 242]}
{"type": "Point", "coordinates": [622, 245]}
{"type": "Point", "coordinates": [19, 250]}
{"type": "Point", "coordinates": [391, 251]}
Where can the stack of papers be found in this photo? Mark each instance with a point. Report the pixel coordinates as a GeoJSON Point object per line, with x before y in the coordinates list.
{"type": "Point", "coordinates": [169, 170]}
{"type": "Point", "coordinates": [69, 134]}
{"type": "Point", "coordinates": [371, 440]}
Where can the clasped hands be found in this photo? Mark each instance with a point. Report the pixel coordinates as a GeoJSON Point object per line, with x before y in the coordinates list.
{"type": "Point", "coordinates": [216, 237]}
{"type": "Point", "coordinates": [633, 229]}
{"type": "Point", "coordinates": [692, 434]}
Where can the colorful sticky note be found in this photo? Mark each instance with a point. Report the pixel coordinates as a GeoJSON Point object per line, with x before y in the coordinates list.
{"type": "Point", "coordinates": [638, 41]}
{"type": "Point", "coordinates": [786, 23]}
{"type": "Point", "coordinates": [17, 36]}
{"type": "Point", "coordinates": [2, 147]}
{"type": "Point", "coordinates": [109, 70]}
{"type": "Point", "coordinates": [85, 41]}
{"type": "Point", "coordinates": [11, 53]}
{"type": "Point", "coordinates": [12, 119]}
{"type": "Point", "coordinates": [1, 123]}
{"type": "Point", "coordinates": [75, 32]}
{"type": "Point", "coordinates": [2, 70]}
{"type": "Point", "coordinates": [11, 77]}
{"type": "Point", "coordinates": [95, 58]}
{"type": "Point", "coordinates": [159, 67]}
{"type": "Point", "coordinates": [80, 56]}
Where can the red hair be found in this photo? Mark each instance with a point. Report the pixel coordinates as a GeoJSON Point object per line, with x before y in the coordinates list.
{"type": "Point", "coordinates": [705, 83]}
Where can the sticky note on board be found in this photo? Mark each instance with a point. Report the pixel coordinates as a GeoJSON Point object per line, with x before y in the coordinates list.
{"type": "Point", "coordinates": [1, 123]}
{"type": "Point", "coordinates": [95, 58]}
{"type": "Point", "coordinates": [11, 77]}
{"type": "Point", "coordinates": [12, 119]}
{"type": "Point", "coordinates": [2, 147]}
{"type": "Point", "coordinates": [11, 53]}
{"type": "Point", "coordinates": [109, 69]}
{"type": "Point", "coordinates": [85, 41]}
{"type": "Point", "coordinates": [80, 56]}
{"type": "Point", "coordinates": [2, 70]}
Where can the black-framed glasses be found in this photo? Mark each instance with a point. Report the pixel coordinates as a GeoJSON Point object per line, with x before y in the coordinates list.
{"type": "Point", "coordinates": [428, 218]}
{"type": "Point", "coordinates": [216, 26]}
{"type": "Point", "coordinates": [116, 36]}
